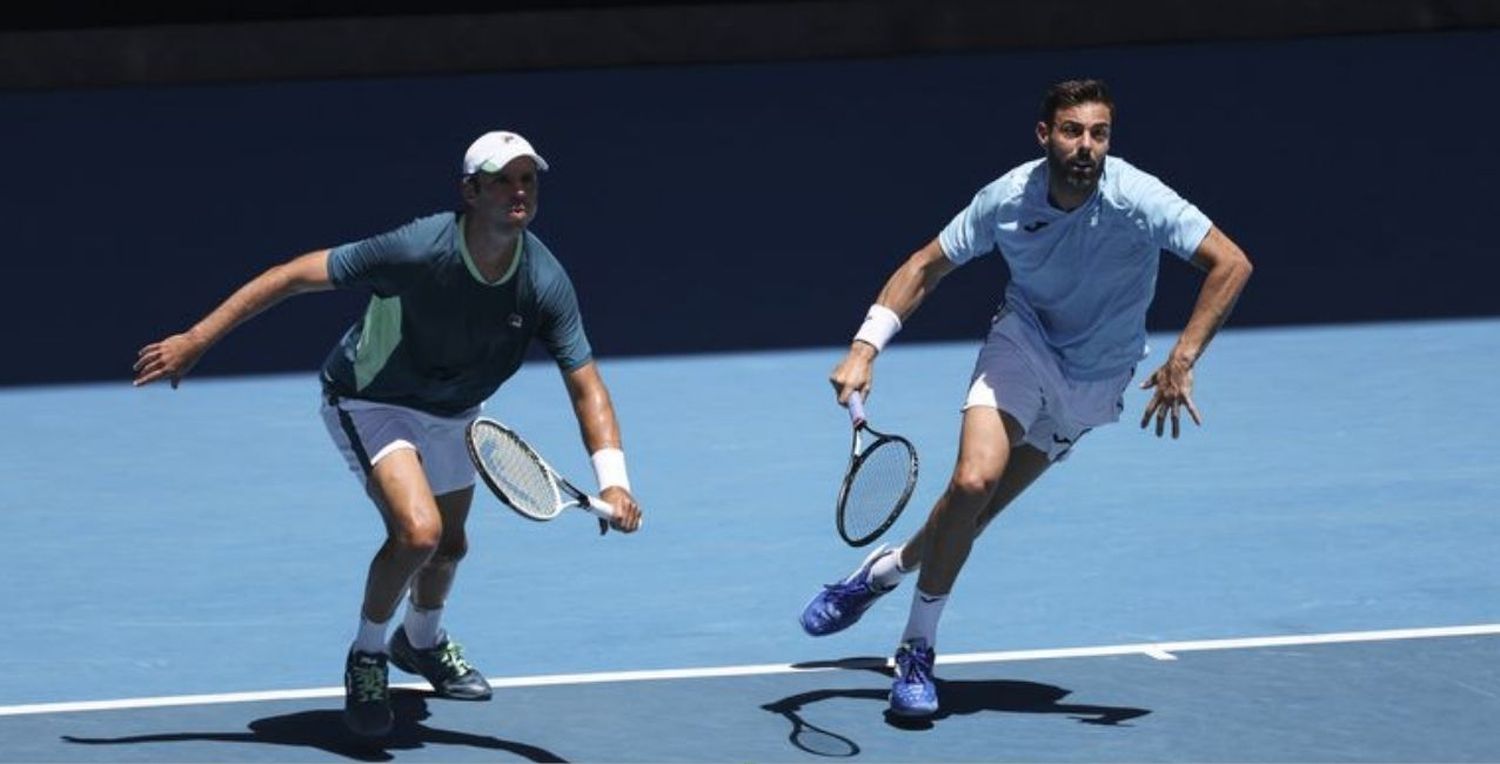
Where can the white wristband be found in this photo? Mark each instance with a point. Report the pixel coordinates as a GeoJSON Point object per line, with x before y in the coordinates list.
{"type": "Point", "coordinates": [609, 468]}
{"type": "Point", "coordinates": [881, 324]}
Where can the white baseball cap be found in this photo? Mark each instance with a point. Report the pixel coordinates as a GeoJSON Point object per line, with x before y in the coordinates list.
{"type": "Point", "coordinates": [494, 150]}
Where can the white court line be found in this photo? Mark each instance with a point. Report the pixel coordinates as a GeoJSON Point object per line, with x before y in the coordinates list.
{"type": "Point", "coordinates": [1158, 650]}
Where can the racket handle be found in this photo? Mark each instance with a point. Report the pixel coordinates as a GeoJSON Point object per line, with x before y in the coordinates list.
{"type": "Point", "coordinates": [605, 511]}
{"type": "Point", "coordinates": [600, 508]}
{"type": "Point", "coordinates": [856, 408]}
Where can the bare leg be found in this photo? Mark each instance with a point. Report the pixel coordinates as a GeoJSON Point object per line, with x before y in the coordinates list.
{"type": "Point", "coordinates": [434, 580]}
{"type": "Point", "coordinates": [414, 529]}
{"type": "Point", "coordinates": [988, 476]}
{"type": "Point", "coordinates": [1025, 466]}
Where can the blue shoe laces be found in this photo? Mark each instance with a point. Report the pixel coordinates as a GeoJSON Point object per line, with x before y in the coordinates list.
{"type": "Point", "coordinates": [915, 666]}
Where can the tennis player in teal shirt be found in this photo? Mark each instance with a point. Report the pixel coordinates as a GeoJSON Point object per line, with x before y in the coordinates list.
{"type": "Point", "coordinates": [456, 300]}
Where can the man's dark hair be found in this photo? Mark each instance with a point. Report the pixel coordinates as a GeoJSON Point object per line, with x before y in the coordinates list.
{"type": "Point", "coordinates": [1071, 93]}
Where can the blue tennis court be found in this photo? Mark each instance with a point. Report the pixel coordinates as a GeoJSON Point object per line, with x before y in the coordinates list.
{"type": "Point", "coordinates": [1308, 577]}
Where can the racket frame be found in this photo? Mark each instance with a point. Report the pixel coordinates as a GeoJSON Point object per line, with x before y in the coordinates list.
{"type": "Point", "coordinates": [858, 454]}
{"type": "Point", "coordinates": [562, 487]}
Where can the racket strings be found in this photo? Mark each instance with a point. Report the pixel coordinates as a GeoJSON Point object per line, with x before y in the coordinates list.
{"type": "Point", "coordinates": [523, 480]}
{"type": "Point", "coordinates": [881, 483]}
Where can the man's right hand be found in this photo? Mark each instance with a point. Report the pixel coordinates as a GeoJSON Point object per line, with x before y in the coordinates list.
{"type": "Point", "coordinates": [170, 358]}
{"type": "Point", "coordinates": [855, 373]}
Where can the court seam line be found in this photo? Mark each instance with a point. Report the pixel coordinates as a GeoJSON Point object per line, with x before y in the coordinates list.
{"type": "Point", "coordinates": [1151, 649]}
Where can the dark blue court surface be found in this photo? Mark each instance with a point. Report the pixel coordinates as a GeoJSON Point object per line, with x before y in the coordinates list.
{"type": "Point", "coordinates": [1418, 700]}
{"type": "Point", "coordinates": [208, 541]}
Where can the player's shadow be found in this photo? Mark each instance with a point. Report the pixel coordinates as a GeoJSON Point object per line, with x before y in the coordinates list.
{"type": "Point", "coordinates": [956, 698]}
{"type": "Point", "coordinates": [325, 731]}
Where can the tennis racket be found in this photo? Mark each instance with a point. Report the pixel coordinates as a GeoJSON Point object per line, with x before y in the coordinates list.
{"type": "Point", "coordinates": [879, 481]}
{"type": "Point", "coordinates": [522, 479]}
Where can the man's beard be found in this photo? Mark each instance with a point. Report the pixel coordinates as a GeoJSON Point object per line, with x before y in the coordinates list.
{"type": "Point", "coordinates": [1080, 178]}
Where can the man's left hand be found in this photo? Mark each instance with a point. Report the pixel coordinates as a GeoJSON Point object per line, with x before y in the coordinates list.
{"type": "Point", "coordinates": [627, 511]}
{"type": "Point", "coordinates": [1174, 392]}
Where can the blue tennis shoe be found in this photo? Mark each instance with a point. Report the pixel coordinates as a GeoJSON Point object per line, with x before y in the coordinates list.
{"type": "Point", "coordinates": [914, 693]}
{"type": "Point", "coordinates": [841, 604]}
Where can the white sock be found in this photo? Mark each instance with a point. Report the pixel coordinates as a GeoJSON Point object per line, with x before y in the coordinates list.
{"type": "Point", "coordinates": [887, 572]}
{"type": "Point", "coordinates": [371, 636]}
{"type": "Point", "coordinates": [422, 628]}
{"type": "Point", "coordinates": [926, 609]}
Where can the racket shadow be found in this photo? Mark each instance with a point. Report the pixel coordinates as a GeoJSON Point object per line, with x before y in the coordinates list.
{"type": "Point", "coordinates": [957, 698]}
{"type": "Point", "coordinates": [324, 730]}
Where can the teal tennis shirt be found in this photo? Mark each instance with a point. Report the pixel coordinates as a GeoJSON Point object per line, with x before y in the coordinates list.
{"type": "Point", "coordinates": [436, 336]}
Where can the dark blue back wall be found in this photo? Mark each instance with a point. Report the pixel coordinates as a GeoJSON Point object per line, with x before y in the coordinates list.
{"type": "Point", "coordinates": [744, 206]}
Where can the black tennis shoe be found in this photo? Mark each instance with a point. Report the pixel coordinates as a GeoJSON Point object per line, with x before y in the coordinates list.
{"type": "Point", "coordinates": [442, 665]}
{"type": "Point", "coordinates": [367, 695]}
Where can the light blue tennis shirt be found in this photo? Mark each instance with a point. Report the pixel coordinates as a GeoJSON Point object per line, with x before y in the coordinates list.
{"type": "Point", "coordinates": [1083, 278]}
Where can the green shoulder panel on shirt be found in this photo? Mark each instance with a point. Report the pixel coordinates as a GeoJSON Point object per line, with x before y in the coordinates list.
{"type": "Point", "coordinates": [377, 340]}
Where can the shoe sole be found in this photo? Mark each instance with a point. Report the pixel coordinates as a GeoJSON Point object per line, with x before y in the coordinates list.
{"type": "Point", "coordinates": [452, 696]}
{"type": "Point", "coordinates": [912, 713]}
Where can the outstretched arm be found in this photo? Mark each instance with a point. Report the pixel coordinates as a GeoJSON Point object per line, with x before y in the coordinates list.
{"type": "Point", "coordinates": [902, 294]}
{"type": "Point", "coordinates": [174, 356]}
{"type": "Point", "coordinates": [1227, 270]}
{"type": "Point", "coordinates": [601, 436]}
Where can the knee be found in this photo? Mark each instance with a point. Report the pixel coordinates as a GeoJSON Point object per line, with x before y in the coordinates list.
{"type": "Point", "coordinates": [450, 551]}
{"type": "Point", "coordinates": [973, 484]}
{"type": "Point", "coordinates": [419, 536]}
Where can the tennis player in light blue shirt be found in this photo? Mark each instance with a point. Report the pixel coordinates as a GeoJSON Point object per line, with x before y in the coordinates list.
{"type": "Point", "coordinates": [1081, 278]}
{"type": "Point", "coordinates": [1082, 233]}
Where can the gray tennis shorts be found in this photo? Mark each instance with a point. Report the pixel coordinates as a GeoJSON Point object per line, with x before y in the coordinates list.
{"type": "Point", "coordinates": [1017, 374]}
{"type": "Point", "coordinates": [366, 432]}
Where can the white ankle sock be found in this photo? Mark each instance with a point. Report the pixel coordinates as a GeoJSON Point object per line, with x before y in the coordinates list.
{"type": "Point", "coordinates": [371, 636]}
{"type": "Point", "coordinates": [926, 609]}
{"type": "Point", "coordinates": [422, 626]}
{"type": "Point", "coordinates": [887, 572]}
